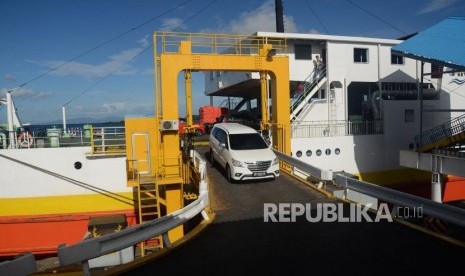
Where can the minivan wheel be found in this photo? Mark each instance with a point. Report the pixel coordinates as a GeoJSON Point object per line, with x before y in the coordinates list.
{"type": "Point", "coordinates": [229, 174]}
{"type": "Point", "coordinates": [212, 158]}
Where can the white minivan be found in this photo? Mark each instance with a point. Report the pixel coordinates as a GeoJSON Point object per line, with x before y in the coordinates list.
{"type": "Point", "coordinates": [242, 152]}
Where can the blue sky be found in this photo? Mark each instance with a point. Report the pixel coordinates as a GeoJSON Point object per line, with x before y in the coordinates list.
{"type": "Point", "coordinates": [117, 78]}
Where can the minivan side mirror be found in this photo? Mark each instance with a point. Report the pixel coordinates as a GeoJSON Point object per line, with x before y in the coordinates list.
{"type": "Point", "coordinates": [222, 145]}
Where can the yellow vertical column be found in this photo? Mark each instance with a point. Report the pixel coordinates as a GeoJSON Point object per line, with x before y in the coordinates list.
{"type": "Point", "coordinates": [169, 148]}
{"type": "Point", "coordinates": [188, 85]}
{"type": "Point", "coordinates": [264, 99]}
{"type": "Point", "coordinates": [281, 107]}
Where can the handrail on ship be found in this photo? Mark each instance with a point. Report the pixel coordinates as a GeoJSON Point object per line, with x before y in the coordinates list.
{"type": "Point", "coordinates": [92, 248]}
{"type": "Point", "coordinates": [219, 43]}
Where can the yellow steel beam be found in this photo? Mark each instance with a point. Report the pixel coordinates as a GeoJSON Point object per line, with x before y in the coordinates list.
{"type": "Point", "coordinates": [188, 85]}
{"type": "Point", "coordinates": [277, 67]}
{"type": "Point", "coordinates": [168, 65]}
{"type": "Point", "coordinates": [264, 99]}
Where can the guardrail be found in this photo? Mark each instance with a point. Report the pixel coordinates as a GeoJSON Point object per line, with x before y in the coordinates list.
{"type": "Point", "coordinates": [304, 168]}
{"type": "Point", "coordinates": [20, 266]}
{"type": "Point", "coordinates": [309, 129]}
{"type": "Point", "coordinates": [92, 248]}
{"type": "Point", "coordinates": [447, 213]}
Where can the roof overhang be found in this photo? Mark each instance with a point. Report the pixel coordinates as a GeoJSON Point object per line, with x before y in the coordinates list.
{"type": "Point", "coordinates": [443, 44]}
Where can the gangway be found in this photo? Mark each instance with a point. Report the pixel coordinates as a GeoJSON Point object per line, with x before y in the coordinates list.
{"type": "Point", "coordinates": [442, 136]}
{"type": "Point", "coordinates": [299, 105]}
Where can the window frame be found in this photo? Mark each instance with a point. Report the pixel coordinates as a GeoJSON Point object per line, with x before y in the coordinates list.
{"type": "Point", "coordinates": [367, 55]}
{"type": "Point", "coordinates": [397, 59]}
{"type": "Point", "coordinates": [308, 51]}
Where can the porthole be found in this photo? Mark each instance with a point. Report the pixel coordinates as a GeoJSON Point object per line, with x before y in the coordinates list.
{"type": "Point", "coordinates": [298, 153]}
{"type": "Point", "coordinates": [77, 165]}
{"type": "Point", "coordinates": [318, 152]}
{"type": "Point", "coordinates": [328, 151]}
{"type": "Point", "coordinates": [308, 153]}
{"type": "Point", "coordinates": [337, 151]}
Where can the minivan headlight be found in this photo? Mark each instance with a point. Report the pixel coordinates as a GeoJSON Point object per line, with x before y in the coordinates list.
{"type": "Point", "coordinates": [275, 161]}
{"type": "Point", "coordinates": [237, 163]}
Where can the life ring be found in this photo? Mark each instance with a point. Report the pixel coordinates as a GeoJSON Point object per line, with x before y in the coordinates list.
{"type": "Point", "coordinates": [25, 140]}
{"type": "Point", "coordinates": [73, 132]}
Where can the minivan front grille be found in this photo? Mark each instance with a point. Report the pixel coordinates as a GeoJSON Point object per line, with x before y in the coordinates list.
{"type": "Point", "coordinates": [258, 165]}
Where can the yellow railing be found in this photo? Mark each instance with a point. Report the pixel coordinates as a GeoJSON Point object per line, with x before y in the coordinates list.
{"type": "Point", "coordinates": [218, 43]}
{"type": "Point", "coordinates": [108, 140]}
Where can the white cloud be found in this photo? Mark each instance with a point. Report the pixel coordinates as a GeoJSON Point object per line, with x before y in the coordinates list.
{"type": "Point", "coordinates": [435, 5]}
{"type": "Point", "coordinates": [144, 42]}
{"type": "Point", "coordinates": [105, 109]}
{"type": "Point", "coordinates": [113, 107]}
{"type": "Point", "coordinates": [171, 24]}
{"type": "Point", "coordinates": [313, 31]}
{"type": "Point", "coordinates": [261, 19]}
{"type": "Point", "coordinates": [117, 64]}
{"type": "Point", "coordinates": [26, 93]}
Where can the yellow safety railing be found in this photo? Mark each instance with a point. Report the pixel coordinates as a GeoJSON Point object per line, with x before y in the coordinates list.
{"type": "Point", "coordinates": [108, 140]}
{"type": "Point", "coordinates": [203, 43]}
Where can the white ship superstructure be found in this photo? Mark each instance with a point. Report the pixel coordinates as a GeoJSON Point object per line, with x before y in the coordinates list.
{"type": "Point", "coordinates": [356, 127]}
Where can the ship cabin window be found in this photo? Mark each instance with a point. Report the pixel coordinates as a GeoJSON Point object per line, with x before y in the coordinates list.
{"type": "Point", "coordinates": [409, 115]}
{"type": "Point", "coordinates": [360, 55]}
{"type": "Point", "coordinates": [212, 75]}
{"type": "Point", "coordinates": [303, 51]}
{"type": "Point", "coordinates": [396, 59]}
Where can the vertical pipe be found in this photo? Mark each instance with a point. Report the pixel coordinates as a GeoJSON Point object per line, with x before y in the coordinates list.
{"type": "Point", "coordinates": [421, 107]}
{"type": "Point", "coordinates": [264, 99]}
{"type": "Point", "coordinates": [279, 16]}
{"type": "Point", "coordinates": [63, 109]}
{"type": "Point", "coordinates": [381, 105]}
{"type": "Point", "coordinates": [9, 108]}
{"type": "Point", "coordinates": [436, 187]}
{"type": "Point", "coordinates": [156, 74]}
{"type": "Point", "coordinates": [188, 85]}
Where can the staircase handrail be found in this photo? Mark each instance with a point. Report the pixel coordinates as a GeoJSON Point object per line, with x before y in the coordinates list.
{"type": "Point", "coordinates": [445, 130]}
{"type": "Point", "coordinates": [305, 109]}
{"type": "Point", "coordinates": [308, 87]}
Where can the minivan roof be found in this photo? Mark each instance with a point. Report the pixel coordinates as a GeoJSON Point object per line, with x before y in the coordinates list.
{"type": "Point", "coordinates": [235, 128]}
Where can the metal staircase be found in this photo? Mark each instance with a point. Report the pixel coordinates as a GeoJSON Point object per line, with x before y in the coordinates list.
{"type": "Point", "coordinates": [300, 105]}
{"type": "Point", "coordinates": [442, 136]}
{"type": "Point", "coordinates": [149, 208]}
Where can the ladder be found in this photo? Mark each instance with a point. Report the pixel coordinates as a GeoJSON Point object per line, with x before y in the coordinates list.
{"type": "Point", "coordinates": [332, 106]}
{"type": "Point", "coordinates": [149, 209]}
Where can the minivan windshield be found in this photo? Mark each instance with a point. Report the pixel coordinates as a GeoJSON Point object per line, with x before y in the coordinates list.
{"type": "Point", "coordinates": [246, 141]}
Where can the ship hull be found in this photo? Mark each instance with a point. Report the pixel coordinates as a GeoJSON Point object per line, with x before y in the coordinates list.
{"type": "Point", "coordinates": [46, 200]}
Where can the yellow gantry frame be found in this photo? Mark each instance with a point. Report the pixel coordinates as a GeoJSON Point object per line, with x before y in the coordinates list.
{"type": "Point", "coordinates": [253, 54]}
